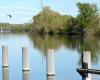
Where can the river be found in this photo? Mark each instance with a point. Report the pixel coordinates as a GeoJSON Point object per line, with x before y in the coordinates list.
{"type": "Point", "coordinates": [68, 51]}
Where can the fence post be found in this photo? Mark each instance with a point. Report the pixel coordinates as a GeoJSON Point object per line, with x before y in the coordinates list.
{"type": "Point", "coordinates": [25, 59]}
{"type": "Point", "coordinates": [5, 56]}
{"type": "Point", "coordinates": [86, 63]}
{"type": "Point", "coordinates": [50, 63]}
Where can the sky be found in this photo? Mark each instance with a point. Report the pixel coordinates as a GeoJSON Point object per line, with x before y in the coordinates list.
{"type": "Point", "coordinates": [22, 11]}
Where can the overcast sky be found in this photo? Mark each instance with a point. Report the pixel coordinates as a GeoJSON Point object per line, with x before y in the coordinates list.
{"type": "Point", "coordinates": [22, 11]}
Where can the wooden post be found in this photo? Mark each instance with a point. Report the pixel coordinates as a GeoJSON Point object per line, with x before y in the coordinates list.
{"type": "Point", "coordinates": [5, 73]}
{"type": "Point", "coordinates": [25, 75]}
{"type": "Point", "coordinates": [50, 63]}
{"type": "Point", "coordinates": [86, 63]}
{"type": "Point", "coordinates": [4, 56]}
{"type": "Point", "coordinates": [25, 59]}
{"type": "Point", "coordinates": [50, 77]}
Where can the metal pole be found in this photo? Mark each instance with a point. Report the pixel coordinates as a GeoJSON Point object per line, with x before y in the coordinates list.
{"type": "Point", "coordinates": [42, 25]}
{"type": "Point", "coordinates": [4, 56]}
{"type": "Point", "coordinates": [25, 59]}
{"type": "Point", "coordinates": [41, 13]}
{"type": "Point", "coordinates": [50, 63]}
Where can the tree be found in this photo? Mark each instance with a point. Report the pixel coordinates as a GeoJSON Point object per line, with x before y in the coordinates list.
{"type": "Point", "coordinates": [88, 18]}
{"type": "Point", "coordinates": [52, 21]}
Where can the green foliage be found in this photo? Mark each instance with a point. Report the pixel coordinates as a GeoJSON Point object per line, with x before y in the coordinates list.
{"type": "Point", "coordinates": [49, 21]}
{"type": "Point", "coordinates": [27, 27]}
{"type": "Point", "coordinates": [88, 18]}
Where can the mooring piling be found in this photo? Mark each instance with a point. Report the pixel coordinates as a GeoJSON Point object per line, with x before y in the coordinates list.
{"type": "Point", "coordinates": [86, 59]}
{"type": "Point", "coordinates": [4, 56]}
{"type": "Point", "coordinates": [86, 66]}
{"type": "Point", "coordinates": [50, 63]}
{"type": "Point", "coordinates": [25, 59]}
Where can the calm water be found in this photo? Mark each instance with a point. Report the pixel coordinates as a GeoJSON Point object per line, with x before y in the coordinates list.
{"type": "Point", "coordinates": [67, 56]}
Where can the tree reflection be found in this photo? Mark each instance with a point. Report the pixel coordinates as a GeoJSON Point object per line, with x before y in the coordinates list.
{"type": "Point", "coordinates": [91, 43]}
{"type": "Point", "coordinates": [79, 43]}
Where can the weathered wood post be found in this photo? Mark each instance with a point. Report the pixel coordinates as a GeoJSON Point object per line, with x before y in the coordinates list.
{"type": "Point", "coordinates": [4, 56]}
{"type": "Point", "coordinates": [5, 73]}
{"type": "Point", "coordinates": [25, 75]}
{"type": "Point", "coordinates": [50, 63]}
{"type": "Point", "coordinates": [50, 77]}
{"type": "Point", "coordinates": [25, 59]}
{"type": "Point", "coordinates": [86, 63]}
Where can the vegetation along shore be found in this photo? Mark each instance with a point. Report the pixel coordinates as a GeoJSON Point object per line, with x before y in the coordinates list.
{"type": "Point", "coordinates": [51, 22]}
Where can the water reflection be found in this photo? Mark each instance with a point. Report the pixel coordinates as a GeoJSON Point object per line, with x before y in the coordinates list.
{"type": "Point", "coordinates": [43, 43]}
{"type": "Point", "coordinates": [25, 75]}
{"type": "Point", "coordinates": [79, 43]}
{"type": "Point", "coordinates": [5, 73]}
{"type": "Point", "coordinates": [62, 44]}
{"type": "Point", "coordinates": [89, 78]}
{"type": "Point", "coordinates": [50, 77]}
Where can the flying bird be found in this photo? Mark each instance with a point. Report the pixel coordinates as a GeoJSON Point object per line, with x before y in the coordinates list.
{"type": "Point", "coordinates": [9, 16]}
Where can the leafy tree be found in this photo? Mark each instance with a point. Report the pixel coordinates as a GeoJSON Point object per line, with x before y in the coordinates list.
{"type": "Point", "coordinates": [88, 18]}
{"type": "Point", "coordinates": [49, 21]}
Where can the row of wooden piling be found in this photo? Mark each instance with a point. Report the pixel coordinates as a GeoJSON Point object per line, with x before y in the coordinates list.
{"type": "Point", "coordinates": [25, 60]}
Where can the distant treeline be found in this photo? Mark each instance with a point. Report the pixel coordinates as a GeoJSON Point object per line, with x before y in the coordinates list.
{"type": "Point", "coordinates": [17, 27]}
{"type": "Point", "coordinates": [51, 22]}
